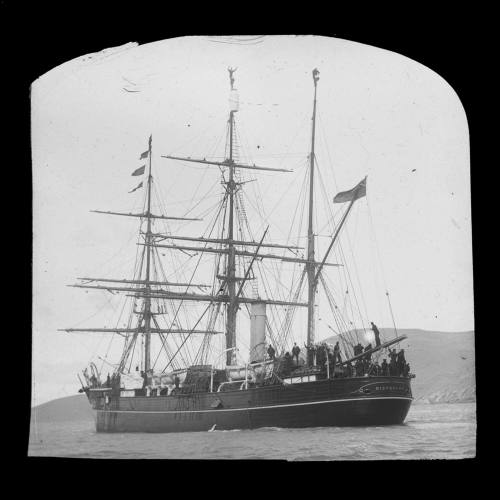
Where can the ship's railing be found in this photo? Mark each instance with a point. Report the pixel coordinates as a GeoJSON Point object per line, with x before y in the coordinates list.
{"type": "Point", "coordinates": [239, 385]}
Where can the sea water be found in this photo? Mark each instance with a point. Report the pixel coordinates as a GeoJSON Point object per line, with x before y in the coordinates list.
{"type": "Point", "coordinates": [430, 431]}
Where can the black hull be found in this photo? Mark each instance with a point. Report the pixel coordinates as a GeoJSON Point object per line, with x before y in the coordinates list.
{"type": "Point", "coordinates": [339, 402]}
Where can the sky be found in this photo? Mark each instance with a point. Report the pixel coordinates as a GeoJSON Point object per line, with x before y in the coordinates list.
{"type": "Point", "coordinates": [380, 114]}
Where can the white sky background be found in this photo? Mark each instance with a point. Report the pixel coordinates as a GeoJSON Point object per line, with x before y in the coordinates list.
{"type": "Point", "coordinates": [380, 114]}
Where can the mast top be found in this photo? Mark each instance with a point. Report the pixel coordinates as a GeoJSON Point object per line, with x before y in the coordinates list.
{"type": "Point", "coordinates": [231, 77]}
{"type": "Point", "coordinates": [234, 105]}
{"type": "Point", "coordinates": [315, 74]}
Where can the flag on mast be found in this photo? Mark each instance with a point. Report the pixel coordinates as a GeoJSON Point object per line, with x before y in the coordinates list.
{"type": "Point", "coordinates": [139, 171]}
{"type": "Point", "coordinates": [136, 188]}
{"type": "Point", "coordinates": [146, 153]}
{"type": "Point", "coordinates": [353, 194]}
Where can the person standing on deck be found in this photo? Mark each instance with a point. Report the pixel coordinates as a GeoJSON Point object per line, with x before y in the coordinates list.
{"type": "Point", "coordinates": [358, 349]}
{"type": "Point", "coordinates": [401, 361]}
{"type": "Point", "coordinates": [368, 348]}
{"type": "Point", "coordinates": [359, 367]}
{"type": "Point", "coordinates": [311, 350]}
{"type": "Point", "coordinates": [336, 353]}
{"type": "Point", "coordinates": [320, 355]}
{"type": "Point", "coordinates": [331, 361]}
{"type": "Point", "coordinates": [271, 352]}
{"type": "Point", "coordinates": [376, 333]}
{"type": "Point", "coordinates": [296, 352]}
{"type": "Point", "coordinates": [287, 364]}
{"type": "Point", "coordinates": [393, 363]}
{"type": "Point", "coordinates": [384, 368]}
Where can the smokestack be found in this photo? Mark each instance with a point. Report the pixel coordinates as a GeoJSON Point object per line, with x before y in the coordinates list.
{"type": "Point", "coordinates": [257, 331]}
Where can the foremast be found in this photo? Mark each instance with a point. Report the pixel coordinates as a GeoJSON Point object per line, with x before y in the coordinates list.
{"type": "Point", "coordinates": [143, 288]}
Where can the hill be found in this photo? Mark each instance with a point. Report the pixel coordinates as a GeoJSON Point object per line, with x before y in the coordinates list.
{"type": "Point", "coordinates": [70, 408]}
{"type": "Point", "coordinates": [444, 364]}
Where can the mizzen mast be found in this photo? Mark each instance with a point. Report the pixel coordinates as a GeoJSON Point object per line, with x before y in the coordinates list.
{"type": "Point", "coordinates": [147, 297]}
{"type": "Point", "coordinates": [310, 266]}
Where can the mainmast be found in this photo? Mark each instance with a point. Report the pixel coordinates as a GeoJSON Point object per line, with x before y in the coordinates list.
{"type": "Point", "coordinates": [147, 295]}
{"type": "Point", "coordinates": [230, 247]}
{"type": "Point", "coordinates": [310, 266]}
{"type": "Point", "coordinates": [232, 305]}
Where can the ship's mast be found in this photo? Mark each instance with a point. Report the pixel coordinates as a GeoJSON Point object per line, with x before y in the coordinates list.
{"type": "Point", "coordinates": [310, 266]}
{"type": "Point", "coordinates": [147, 296]}
{"type": "Point", "coordinates": [232, 306]}
{"type": "Point", "coordinates": [231, 247]}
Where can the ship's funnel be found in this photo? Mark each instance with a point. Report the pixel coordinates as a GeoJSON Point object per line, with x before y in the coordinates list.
{"type": "Point", "coordinates": [234, 101]}
{"type": "Point", "coordinates": [257, 331]}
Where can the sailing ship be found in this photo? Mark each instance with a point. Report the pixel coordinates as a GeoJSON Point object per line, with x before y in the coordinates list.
{"type": "Point", "coordinates": [199, 388]}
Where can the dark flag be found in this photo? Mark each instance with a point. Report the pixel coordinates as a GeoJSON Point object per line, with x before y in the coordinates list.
{"type": "Point", "coordinates": [146, 153]}
{"type": "Point", "coordinates": [357, 192]}
{"type": "Point", "coordinates": [135, 189]}
{"type": "Point", "coordinates": [139, 171]}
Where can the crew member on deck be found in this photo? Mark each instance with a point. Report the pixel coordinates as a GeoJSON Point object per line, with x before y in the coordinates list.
{"type": "Point", "coordinates": [401, 361]}
{"type": "Point", "coordinates": [393, 367]}
{"type": "Point", "coordinates": [393, 363]}
{"type": "Point", "coordinates": [336, 353]}
{"type": "Point", "coordinates": [384, 368]}
{"type": "Point", "coordinates": [331, 360]}
{"type": "Point", "coordinates": [271, 352]}
{"type": "Point", "coordinates": [296, 352]}
{"type": "Point", "coordinates": [359, 367]}
{"type": "Point", "coordinates": [376, 333]}
{"type": "Point", "coordinates": [368, 357]}
{"type": "Point", "coordinates": [311, 351]}
{"type": "Point", "coordinates": [288, 364]}
{"type": "Point", "coordinates": [320, 355]}
{"type": "Point", "coordinates": [358, 349]}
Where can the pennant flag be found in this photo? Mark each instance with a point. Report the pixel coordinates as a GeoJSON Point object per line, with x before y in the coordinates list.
{"type": "Point", "coordinates": [135, 189]}
{"type": "Point", "coordinates": [357, 192]}
{"type": "Point", "coordinates": [146, 153]}
{"type": "Point", "coordinates": [139, 171]}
